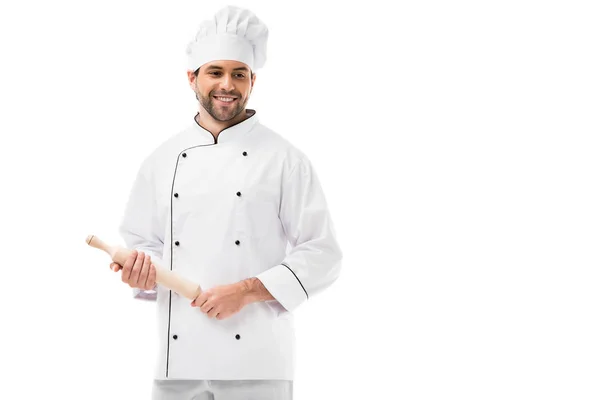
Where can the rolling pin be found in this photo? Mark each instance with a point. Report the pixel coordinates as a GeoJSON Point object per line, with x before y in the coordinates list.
{"type": "Point", "coordinates": [164, 277]}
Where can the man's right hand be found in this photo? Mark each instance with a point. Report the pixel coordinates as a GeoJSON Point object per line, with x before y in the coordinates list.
{"type": "Point", "coordinates": [138, 271]}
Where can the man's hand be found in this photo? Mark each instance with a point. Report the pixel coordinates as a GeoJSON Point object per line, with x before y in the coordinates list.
{"type": "Point", "coordinates": [223, 301]}
{"type": "Point", "coordinates": [138, 271]}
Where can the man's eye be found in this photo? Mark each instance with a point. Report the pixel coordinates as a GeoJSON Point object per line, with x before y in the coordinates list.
{"type": "Point", "coordinates": [214, 73]}
{"type": "Point", "coordinates": [241, 76]}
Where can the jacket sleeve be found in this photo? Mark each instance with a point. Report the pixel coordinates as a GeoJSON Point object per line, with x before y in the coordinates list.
{"type": "Point", "coordinates": [139, 226]}
{"type": "Point", "coordinates": [314, 260]}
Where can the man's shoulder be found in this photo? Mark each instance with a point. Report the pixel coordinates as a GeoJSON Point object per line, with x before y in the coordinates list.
{"type": "Point", "coordinates": [278, 143]}
{"type": "Point", "coordinates": [167, 149]}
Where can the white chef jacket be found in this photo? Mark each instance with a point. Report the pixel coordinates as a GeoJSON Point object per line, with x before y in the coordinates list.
{"type": "Point", "coordinates": [217, 211]}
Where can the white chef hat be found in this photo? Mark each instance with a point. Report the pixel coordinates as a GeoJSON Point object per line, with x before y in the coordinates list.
{"type": "Point", "coordinates": [233, 34]}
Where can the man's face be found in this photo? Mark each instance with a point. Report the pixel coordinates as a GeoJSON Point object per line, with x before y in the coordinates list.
{"type": "Point", "coordinates": [223, 88]}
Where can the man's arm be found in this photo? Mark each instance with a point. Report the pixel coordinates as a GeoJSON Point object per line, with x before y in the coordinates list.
{"type": "Point", "coordinates": [314, 261]}
{"type": "Point", "coordinates": [139, 226]}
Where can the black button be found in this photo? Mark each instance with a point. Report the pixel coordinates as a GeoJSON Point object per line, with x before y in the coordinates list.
{"type": "Point", "coordinates": [184, 155]}
{"type": "Point", "coordinates": [237, 242]}
{"type": "Point", "coordinates": [239, 194]}
{"type": "Point", "coordinates": [177, 243]}
{"type": "Point", "coordinates": [176, 195]}
{"type": "Point", "coordinates": [175, 337]}
{"type": "Point", "coordinates": [244, 154]}
{"type": "Point", "coordinates": [237, 337]}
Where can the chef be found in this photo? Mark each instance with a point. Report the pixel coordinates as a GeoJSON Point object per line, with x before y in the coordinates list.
{"type": "Point", "coordinates": [232, 205]}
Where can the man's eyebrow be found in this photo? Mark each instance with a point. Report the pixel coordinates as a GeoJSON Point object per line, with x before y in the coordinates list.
{"type": "Point", "coordinates": [221, 68]}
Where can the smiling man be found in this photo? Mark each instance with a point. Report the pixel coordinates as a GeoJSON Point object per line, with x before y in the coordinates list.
{"type": "Point", "coordinates": [234, 206]}
{"type": "Point", "coordinates": [229, 84]}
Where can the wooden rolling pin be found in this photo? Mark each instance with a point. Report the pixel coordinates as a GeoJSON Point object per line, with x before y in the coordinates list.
{"type": "Point", "coordinates": [164, 277]}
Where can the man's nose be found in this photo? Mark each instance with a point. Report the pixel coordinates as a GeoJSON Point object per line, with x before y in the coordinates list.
{"type": "Point", "coordinates": [226, 83]}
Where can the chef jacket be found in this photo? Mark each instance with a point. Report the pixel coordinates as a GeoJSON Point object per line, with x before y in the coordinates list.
{"type": "Point", "coordinates": [218, 211]}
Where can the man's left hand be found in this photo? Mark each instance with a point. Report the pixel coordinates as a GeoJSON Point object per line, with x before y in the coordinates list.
{"type": "Point", "coordinates": [223, 301]}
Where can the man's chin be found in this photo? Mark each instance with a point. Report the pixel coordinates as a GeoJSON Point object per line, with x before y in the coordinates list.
{"type": "Point", "coordinates": [224, 117]}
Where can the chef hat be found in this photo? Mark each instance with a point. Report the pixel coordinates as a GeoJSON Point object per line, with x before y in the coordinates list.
{"type": "Point", "coordinates": [233, 34]}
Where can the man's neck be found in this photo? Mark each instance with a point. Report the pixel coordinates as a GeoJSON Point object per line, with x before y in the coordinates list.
{"type": "Point", "coordinates": [205, 120]}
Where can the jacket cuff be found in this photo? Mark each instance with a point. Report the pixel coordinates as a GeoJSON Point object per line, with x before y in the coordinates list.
{"type": "Point", "coordinates": [144, 294]}
{"type": "Point", "coordinates": [284, 286]}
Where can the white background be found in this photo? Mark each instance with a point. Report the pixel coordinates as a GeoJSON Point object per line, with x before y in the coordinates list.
{"type": "Point", "coordinates": [457, 144]}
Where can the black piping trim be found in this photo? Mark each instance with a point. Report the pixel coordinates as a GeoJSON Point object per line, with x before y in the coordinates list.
{"type": "Point", "coordinates": [285, 265]}
{"type": "Point", "coordinates": [249, 112]}
{"type": "Point", "coordinates": [171, 263]}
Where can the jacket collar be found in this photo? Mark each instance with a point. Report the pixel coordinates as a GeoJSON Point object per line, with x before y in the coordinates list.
{"type": "Point", "coordinates": [229, 134]}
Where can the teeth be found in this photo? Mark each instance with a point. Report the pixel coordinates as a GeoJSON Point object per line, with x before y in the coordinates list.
{"type": "Point", "coordinates": [225, 99]}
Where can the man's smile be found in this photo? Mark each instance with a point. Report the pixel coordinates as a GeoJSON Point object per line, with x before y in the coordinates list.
{"type": "Point", "coordinates": [225, 100]}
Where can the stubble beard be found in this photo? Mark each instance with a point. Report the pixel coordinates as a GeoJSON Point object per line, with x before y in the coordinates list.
{"type": "Point", "coordinates": [221, 113]}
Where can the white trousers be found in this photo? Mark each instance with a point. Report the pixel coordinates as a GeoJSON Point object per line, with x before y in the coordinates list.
{"type": "Point", "coordinates": [221, 390]}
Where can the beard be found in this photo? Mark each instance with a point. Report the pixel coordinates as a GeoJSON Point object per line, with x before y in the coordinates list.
{"type": "Point", "coordinates": [219, 112]}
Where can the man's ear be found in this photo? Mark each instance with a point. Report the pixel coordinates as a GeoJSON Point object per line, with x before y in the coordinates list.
{"type": "Point", "coordinates": [191, 79]}
{"type": "Point", "coordinates": [252, 82]}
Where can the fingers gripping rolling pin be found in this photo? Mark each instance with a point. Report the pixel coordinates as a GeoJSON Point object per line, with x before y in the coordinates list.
{"type": "Point", "coordinates": [164, 277]}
